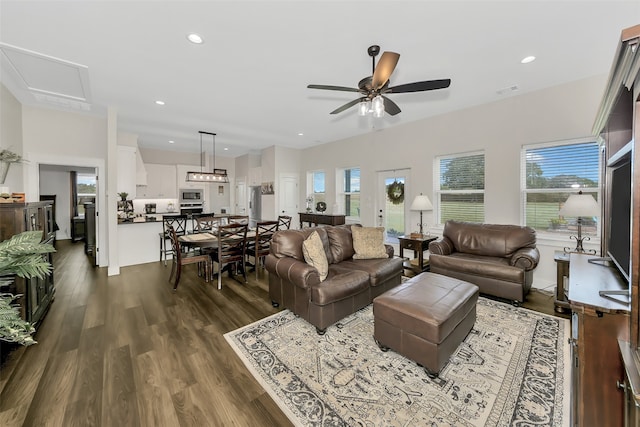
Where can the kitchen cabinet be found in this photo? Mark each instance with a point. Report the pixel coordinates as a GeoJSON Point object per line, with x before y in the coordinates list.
{"type": "Point", "coordinates": [37, 293]}
{"type": "Point", "coordinates": [255, 176]}
{"type": "Point", "coordinates": [161, 182]}
{"type": "Point", "coordinates": [127, 170]}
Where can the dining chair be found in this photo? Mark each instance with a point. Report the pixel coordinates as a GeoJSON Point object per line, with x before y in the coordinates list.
{"type": "Point", "coordinates": [232, 240]}
{"type": "Point", "coordinates": [258, 246]}
{"type": "Point", "coordinates": [181, 258]}
{"type": "Point", "coordinates": [239, 219]}
{"type": "Point", "coordinates": [284, 222]}
{"type": "Point", "coordinates": [206, 224]}
{"type": "Point", "coordinates": [179, 224]}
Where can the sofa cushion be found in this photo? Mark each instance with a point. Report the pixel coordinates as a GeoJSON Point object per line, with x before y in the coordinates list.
{"type": "Point", "coordinates": [340, 243]}
{"type": "Point", "coordinates": [379, 270]}
{"type": "Point", "coordinates": [315, 255]}
{"type": "Point", "coordinates": [477, 265]}
{"type": "Point", "coordinates": [368, 243]}
{"type": "Point", "coordinates": [497, 240]}
{"type": "Point", "coordinates": [339, 286]}
{"type": "Point", "coordinates": [288, 243]}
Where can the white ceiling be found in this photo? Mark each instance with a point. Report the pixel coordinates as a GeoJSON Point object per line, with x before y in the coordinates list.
{"type": "Point", "coordinates": [247, 82]}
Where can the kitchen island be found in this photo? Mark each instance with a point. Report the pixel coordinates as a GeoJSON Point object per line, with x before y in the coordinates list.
{"type": "Point", "coordinates": [139, 242]}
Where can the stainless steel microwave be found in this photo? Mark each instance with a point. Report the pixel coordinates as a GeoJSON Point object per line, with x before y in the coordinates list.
{"type": "Point", "coordinates": [190, 195]}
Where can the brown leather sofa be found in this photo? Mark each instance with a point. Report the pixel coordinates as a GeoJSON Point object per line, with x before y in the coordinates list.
{"type": "Point", "coordinates": [351, 284]}
{"type": "Point", "coordinates": [500, 259]}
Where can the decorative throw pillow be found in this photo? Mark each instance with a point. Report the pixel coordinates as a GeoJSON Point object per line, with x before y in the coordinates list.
{"type": "Point", "coordinates": [368, 242]}
{"type": "Point", "coordinates": [314, 254]}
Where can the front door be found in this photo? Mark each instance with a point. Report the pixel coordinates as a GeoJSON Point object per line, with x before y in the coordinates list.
{"type": "Point", "coordinates": [392, 213]}
{"type": "Point", "coordinates": [288, 200]}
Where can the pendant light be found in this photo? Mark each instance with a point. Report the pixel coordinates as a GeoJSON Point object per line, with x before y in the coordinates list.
{"type": "Point", "coordinates": [217, 175]}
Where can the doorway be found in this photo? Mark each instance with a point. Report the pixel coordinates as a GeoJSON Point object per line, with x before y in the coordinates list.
{"type": "Point", "coordinates": [392, 204]}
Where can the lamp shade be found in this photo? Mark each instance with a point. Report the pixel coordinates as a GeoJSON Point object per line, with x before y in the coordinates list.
{"type": "Point", "coordinates": [421, 203]}
{"type": "Point", "coordinates": [580, 205]}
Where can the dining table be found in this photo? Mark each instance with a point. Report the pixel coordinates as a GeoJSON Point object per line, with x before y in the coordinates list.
{"type": "Point", "coordinates": [206, 239]}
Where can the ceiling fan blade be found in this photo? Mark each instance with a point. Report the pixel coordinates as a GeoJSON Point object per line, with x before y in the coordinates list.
{"type": "Point", "coordinates": [347, 105]}
{"type": "Point", "coordinates": [390, 107]}
{"type": "Point", "coordinates": [385, 67]}
{"type": "Point", "coordinates": [420, 86]}
{"type": "Point", "coordinates": [328, 87]}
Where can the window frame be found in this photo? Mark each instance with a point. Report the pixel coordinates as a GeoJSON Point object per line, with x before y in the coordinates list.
{"type": "Point", "coordinates": [311, 185]}
{"type": "Point", "coordinates": [524, 191]}
{"type": "Point", "coordinates": [343, 193]}
{"type": "Point", "coordinates": [438, 192]}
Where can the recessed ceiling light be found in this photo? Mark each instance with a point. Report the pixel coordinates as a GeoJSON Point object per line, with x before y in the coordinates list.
{"type": "Point", "coordinates": [171, 142]}
{"type": "Point", "coordinates": [528, 59]}
{"type": "Point", "coordinates": [300, 134]}
{"type": "Point", "coordinates": [195, 38]}
{"type": "Point", "coordinates": [226, 148]}
{"type": "Point", "coordinates": [160, 102]}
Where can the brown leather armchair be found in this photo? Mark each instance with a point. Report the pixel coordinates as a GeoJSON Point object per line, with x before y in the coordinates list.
{"type": "Point", "coordinates": [499, 258]}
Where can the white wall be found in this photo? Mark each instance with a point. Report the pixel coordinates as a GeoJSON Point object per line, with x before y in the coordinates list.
{"type": "Point", "coordinates": [500, 129]}
{"type": "Point", "coordinates": [11, 136]}
{"type": "Point", "coordinates": [62, 138]}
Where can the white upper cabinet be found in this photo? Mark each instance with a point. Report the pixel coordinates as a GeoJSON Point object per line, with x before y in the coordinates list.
{"type": "Point", "coordinates": [161, 182]}
{"type": "Point", "coordinates": [126, 181]}
{"type": "Point", "coordinates": [255, 176]}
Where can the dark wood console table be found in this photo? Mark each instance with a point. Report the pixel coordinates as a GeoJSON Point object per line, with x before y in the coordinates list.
{"type": "Point", "coordinates": [316, 218]}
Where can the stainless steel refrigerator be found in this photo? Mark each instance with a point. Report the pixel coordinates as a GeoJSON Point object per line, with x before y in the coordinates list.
{"type": "Point", "coordinates": [255, 197]}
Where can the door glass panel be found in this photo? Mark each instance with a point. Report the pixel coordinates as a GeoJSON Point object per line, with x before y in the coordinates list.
{"type": "Point", "coordinates": [392, 204]}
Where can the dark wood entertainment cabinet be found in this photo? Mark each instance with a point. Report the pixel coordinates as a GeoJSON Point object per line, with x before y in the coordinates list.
{"type": "Point", "coordinates": [14, 219]}
{"type": "Point", "coordinates": [612, 338]}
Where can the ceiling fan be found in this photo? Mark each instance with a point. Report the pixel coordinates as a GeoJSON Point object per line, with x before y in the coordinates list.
{"type": "Point", "coordinates": [374, 87]}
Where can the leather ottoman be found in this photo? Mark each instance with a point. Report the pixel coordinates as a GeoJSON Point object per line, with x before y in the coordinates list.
{"type": "Point", "coordinates": [426, 318]}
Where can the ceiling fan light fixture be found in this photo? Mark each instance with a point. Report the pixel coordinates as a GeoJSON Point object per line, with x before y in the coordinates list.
{"type": "Point", "coordinates": [378, 106]}
{"type": "Point", "coordinates": [364, 107]}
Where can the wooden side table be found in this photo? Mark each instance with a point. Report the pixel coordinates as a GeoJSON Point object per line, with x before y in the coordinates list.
{"type": "Point", "coordinates": [418, 245]}
{"type": "Point", "coordinates": [562, 265]}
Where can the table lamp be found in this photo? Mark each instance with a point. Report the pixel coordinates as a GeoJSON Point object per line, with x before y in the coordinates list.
{"type": "Point", "coordinates": [421, 203]}
{"type": "Point", "coordinates": [579, 206]}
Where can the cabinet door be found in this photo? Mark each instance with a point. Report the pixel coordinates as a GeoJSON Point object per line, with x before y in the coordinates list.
{"type": "Point", "coordinates": [127, 170]}
{"type": "Point", "coordinates": [161, 182]}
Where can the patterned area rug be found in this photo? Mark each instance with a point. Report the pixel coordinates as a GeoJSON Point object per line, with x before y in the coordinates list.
{"type": "Point", "coordinates": [512, 369]}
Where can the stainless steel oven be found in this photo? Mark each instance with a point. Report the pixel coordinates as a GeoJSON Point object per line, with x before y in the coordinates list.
{"type": "Point", "coordinates": [191, 195]}
{"type": "Point", "coordinates": [191, 208]}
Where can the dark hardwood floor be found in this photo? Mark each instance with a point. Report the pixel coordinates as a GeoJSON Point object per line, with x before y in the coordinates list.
{"type": "Point", "coordinates": [126, 351]}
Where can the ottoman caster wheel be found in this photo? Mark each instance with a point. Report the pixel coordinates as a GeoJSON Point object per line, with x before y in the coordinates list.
{"type": "Point", "coordinates": [275, 304]}
{"type": "Point", "coordinates": [431, 374]}
{"type": "Point", "coordinates": [382, 346]}
{"type": "Point", "coordinates": [321, 331]}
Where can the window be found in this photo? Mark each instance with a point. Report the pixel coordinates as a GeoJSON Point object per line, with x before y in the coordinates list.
{"type": "Point", "coordinates": [86, 191]}
{"type": "Point", "coordinates": [550, 174]}
{"type": "Point", "coordinates": [318, 186]}
{"type": "Point", "coordinates": [460, 187]}
{"type": "Point", "coordinates": [352, 192]}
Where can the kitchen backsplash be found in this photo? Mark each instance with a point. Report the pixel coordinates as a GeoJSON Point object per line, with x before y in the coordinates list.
{"type": "Point", "coordinates": [162, 205]}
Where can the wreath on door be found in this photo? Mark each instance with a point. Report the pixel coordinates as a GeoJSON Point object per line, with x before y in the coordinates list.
{"type": "Point", "coordinates": [395, 192]}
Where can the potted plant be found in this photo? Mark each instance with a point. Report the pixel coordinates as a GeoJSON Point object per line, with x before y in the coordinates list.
{"type": "Point", "coordinates": [21, 255]}
{"type": "Point", "coordinates": [123, 196]}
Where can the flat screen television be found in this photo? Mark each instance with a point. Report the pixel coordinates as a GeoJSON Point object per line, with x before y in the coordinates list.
{"type": "Point", "coordinates": [619, 236]}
